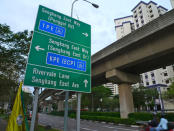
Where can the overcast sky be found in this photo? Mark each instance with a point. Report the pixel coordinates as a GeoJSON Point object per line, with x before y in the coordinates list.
{"type": "Point", "coordinates": [21, 14]}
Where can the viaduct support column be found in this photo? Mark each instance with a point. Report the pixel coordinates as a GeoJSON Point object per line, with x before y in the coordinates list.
{"type": "Point", "coordinates": [126, 100]}
{"type": "Point", "coordinates": [49, 108]}
{"type": "Point", "coordinates": [60, 106]}
{"type": "Point", "coordinates": [124, 81]}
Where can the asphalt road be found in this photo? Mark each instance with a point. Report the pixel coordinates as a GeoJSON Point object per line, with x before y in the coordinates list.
{"type": "Point", "coordinates": [58, 123]}
{"type": "Point", "coordinates": [3, 125]}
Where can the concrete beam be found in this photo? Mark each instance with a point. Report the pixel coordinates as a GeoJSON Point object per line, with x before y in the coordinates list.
{"type": "Point", "coordinates": [145, 49]}
{"type": "Point", "coordinates": [119, 77]}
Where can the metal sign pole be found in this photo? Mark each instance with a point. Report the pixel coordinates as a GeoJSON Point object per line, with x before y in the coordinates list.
{"type": "Point", "coordinates": [78, 111]}
{"type": "Point", "coordinates": [161, 100]}
{"type": "Point", "coordinates": [66, 110]}
{"type": "Point", "coordinates": [34, 109]}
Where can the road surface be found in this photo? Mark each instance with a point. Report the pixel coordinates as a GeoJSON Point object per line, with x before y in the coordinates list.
{"type": "Point", "coordinates": [3, 124]}
{"type": "Point", "coordinates": [58, 123]}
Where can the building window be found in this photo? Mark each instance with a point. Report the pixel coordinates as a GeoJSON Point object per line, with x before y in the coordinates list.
{"type": "Point", "coordinates": [167, 81]}
{"type": "Point", "coordinates": [135, 16]}
{"type": "Point", "coordinates": [137, 21]}
{"type": "Point", "coordinates": [132, 27]}
{"type": "Point", "coordinates": [141, 17]}
{"type": "Point", "coordinates": [135, 11]}
{"type": "Point", "coordinates": [147, 83]}
{"type": "Point", "coordinates": [164, 67]}
{"type": "Point", "coordinates": [150, 11]}
{"type": "Point", "coordinates": [152, 74]}
{"type": "Point", "coordinates": [142, 21]}
{"type": "Point", "coordinates": [149, 6]}
{"type": "Point", "coordinates": [151, 16]}
{"type": "Point", "coordinates": [139, 8]}
{"type": "Point", "coordinates": [165, 74]}
{"type": "Point", "coordinates": [140, 11]}
{"type": "Point", "coordinates": [137, 25]}
{"type": "Point", "coordinates": [146, 76]}
{"type": "Point", "coordinates": [154, 82]}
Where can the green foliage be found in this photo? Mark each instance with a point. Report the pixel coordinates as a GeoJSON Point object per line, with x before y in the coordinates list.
{"type": "Point", "coordinates": [54, 106]}
{"type": "Point", "coordinates": [101, 92]}
{"type": "Point", "coordinates": [109, 114]}
{"type": "Point", "coordinates": [110, 103]}
{"type": "Point", "coordinates": [2, 111]}
{"type": "Point", "coordinates": [87, 113]}
{"type": "Point", "coordinates": [143, 116]}
{"type": "Point", "coordinates": [61, 113]}
{"type": "Point", "coordinates": [170, 93]}
{"type": "Point", "coordinates": [96, 98]}
{"type": "Point", "coordinates": [142, 95]}
{"type": "Point", "coordinates": [41, 128]}
{"type": "Point", "coordinates": [107, 119]}
{"type": "Point", "coordinates": [14, 49]}
{"type": "Point", "coordinates": [170, 116]}
{"type": "Point", "coordinates": [55, 113]}
{"type": "Point", "coordinates": [28, 98]}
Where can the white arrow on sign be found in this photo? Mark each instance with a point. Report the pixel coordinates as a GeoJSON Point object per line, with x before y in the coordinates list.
{"type": "Point", "coordinates": [85, 34]}
{"type": "Point", "coordinates": [86, 82]}
{"type": "Point", "coordinates": [38, 48]}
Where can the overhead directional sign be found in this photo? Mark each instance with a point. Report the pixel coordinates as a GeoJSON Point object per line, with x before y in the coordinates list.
{"type": "Point", "coordinates": [60, 53]}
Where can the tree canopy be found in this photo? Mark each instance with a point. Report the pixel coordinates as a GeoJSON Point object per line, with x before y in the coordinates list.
{"type": "Point", "coordinates": [144, 96]}
{"type": "Point", "coordinates": [14, 49]}
{"type": "Point", "coordinates": [96, 98]}
{"type": "Point", "coordinates": [170, 93]}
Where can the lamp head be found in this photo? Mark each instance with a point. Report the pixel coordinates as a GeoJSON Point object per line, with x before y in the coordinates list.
{"type": "Point", "coordinates": [95, 5]}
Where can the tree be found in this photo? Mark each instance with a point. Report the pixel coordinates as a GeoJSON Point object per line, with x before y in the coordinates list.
{"type": "Point", "coordinates": [14, 48]}
{"type": "Point", "coordinates": [110, 103]}
{"type": "Point", "coordinates": [170, 93]}
{"type": "Point", "coordinates": [28, 99]}
{"type": "Point", "coordinates": [143, 97]}
{"type": "Point", "coordinates": [95, 99]}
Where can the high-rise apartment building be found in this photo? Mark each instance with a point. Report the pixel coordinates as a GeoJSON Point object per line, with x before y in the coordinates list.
{"type": "Point", "coordinates": [146, 12]}
{"type": "Point", "coordinates": [159, 76]}
{"type": "Point", "coordinates": [124, 26]}
{"type": "Point", "coordinates": [172, 3]}
{"type": "Point", "coordinates": [112, 87]}
{"type": "Point", "coordinates": [142, 14]}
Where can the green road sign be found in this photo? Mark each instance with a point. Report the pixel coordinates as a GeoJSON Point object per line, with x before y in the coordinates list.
{"type": "Point", "coordinates": [60, 54]}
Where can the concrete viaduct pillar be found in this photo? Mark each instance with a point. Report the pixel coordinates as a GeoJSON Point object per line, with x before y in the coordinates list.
{"type": "Point", "coordinates": [124, 81]}
{"type": "Point", "coordinates": [44, 109]}
{"type": "Point", "coordinates": [60, 106]}
{"type": "Point", "coordinates": [49, 108]}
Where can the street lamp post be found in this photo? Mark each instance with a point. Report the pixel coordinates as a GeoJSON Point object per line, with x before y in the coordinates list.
{"type": "Point", "coordinates": [79, 94]}
{"type": "Point", "coordinates": [172, 3]}
{"type": "Point", "coordinates": [72, 6]}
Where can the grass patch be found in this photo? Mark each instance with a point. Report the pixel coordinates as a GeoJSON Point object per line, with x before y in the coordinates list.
{"type": "Point", "coordinates": [4, 116]}
{"type": "Point", "coordinates": [42, 128]}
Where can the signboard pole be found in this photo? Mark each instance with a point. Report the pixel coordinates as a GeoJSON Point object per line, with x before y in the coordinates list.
{"type": "Point", "coordinates": [78, 111]}
{"type": "Point", "coordinates": [161, 100]}
{"type": "Point", "coordinates": [66, 110]}
{"type": "Point", "coordinates": [34, 109]}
